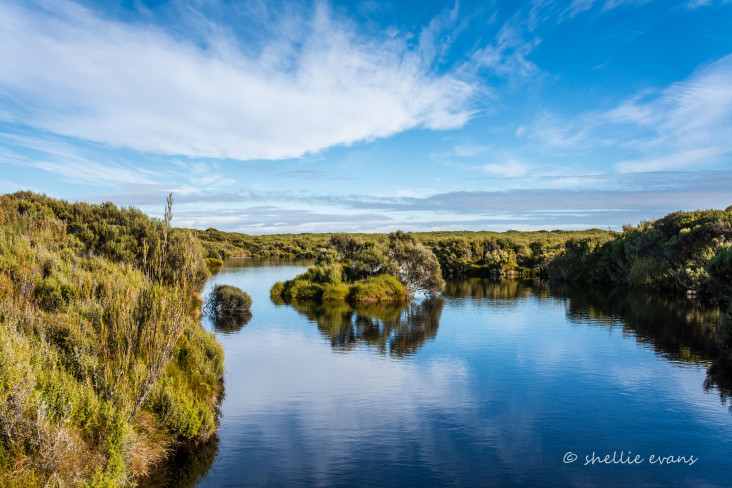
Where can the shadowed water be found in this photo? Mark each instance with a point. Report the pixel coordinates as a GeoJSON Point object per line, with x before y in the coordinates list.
{"type": "Point", "coordinates": [491, 385]}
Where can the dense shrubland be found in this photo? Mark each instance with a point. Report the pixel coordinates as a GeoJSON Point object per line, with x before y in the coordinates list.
{"type": "Point", "coordinates": [688, 252]}
{"type": "Point", "coordinates": [485, 254]}
{"type": "Point", "coordinates": [104, 366]}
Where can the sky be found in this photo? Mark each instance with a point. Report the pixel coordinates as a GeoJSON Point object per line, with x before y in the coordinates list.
{"type": "Point", "coordinates": [371, 116]}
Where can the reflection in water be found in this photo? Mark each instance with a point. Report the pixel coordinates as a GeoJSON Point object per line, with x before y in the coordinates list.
{"type": "Point", "coordinates": [230, 324]}
{"type": "Point", "coordinates": [480, 288]}
{"type": "Point", "coordinates": [680, 329]}
{"type": "Point", "coordinates": [397, 330]}
{"type": "Point", "coordinates": [519, 374]}
{"type": "Point", "coordinates": [187, 468]}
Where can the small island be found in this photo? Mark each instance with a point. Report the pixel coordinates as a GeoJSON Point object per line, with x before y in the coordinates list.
{"type": "Point", "coordinates": [355, 271]}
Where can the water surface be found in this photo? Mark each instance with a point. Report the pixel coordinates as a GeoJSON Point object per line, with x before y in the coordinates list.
{"type": "Point", "coordinates": [491, 385]}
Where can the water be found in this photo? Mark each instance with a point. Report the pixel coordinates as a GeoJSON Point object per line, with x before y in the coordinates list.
{"type": "Point", "coordinates": [491, 386]}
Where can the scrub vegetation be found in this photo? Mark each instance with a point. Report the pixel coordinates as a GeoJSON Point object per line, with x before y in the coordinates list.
{"type": "Point", "coordinates": [363, 272]}
{"type": "Point", "coordinates": [104, 367]}
{"type": "Point", "coordinates": [686, 252]}
{"type": "Point", "coordinates": [683, 252]}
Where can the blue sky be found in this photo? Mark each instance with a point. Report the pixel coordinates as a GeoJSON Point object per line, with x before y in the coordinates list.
{"type": "Point", "coordinates": [265, 117]}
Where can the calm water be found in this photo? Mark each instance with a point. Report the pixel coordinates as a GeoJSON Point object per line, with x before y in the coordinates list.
{"type": "Point", "coordinates": [491, 385]}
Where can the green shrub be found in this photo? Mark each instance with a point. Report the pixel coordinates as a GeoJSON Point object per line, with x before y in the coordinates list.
{"type": "Point", "coordinates": [228, 301]}
{"type": "Point", "coordinates": [79, 284]}
{"type": "Point", "coordinates": [277, 289]}
{"type": "Point", "coordinates": [213, 263]}
{"type": "Point", "coordinates": [335, 293]}
{"type": "Point", "coordinates": [720, 266]}
{"type": "Point", "coordinates": [378, 289]}
{"type": "Point", "coordinates": [303, 290]}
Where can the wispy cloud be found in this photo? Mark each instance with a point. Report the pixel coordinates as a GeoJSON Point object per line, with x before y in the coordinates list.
{"type": "Point", "coordinates": [67, 161]}
{"type": "Point", "coordinates": [706, 3]}
{"type": "Point", "coordinates": [579, 6]}
{"type": "Point", "coordinates": [323, 83]}
{"type": "Point", "coordinates": [686, 125]}
{"type": "Point", "coordinates": [508, 55]}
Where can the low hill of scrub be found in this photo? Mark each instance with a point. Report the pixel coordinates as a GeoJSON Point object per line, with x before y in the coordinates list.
{"type": "Point", "coordinates": [104, 367]}
{"type": "Point", "coordinates": [683, 252]}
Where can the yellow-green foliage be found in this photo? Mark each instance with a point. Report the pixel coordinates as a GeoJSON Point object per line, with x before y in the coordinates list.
{"type": "Point", "coordinates": [323, 283]}
{"type": "Point", "coordinates": [335, 293]}
{"type": "Point", "coordinates": [92, 343]}
{"type": "Point", "coordinates": [378, 289]}
{"type": "Point", "coordinates": [214, 263]}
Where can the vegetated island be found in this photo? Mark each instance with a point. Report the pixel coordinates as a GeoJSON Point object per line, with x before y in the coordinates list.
{"type": "Point", "coordinates": [104, 365]}
{"type": "Point", "coordinates": [363, 272]}
{"type": "Point", "coordinates": [228, 307]}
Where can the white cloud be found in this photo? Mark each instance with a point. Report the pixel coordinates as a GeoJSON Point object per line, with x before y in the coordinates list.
{"type": "Point", "coordinates": [579, 6]}
{"type": "Point", "coordinates": [74, 73]}
{"type": "Point", "coordinates": [509, 169]}
{"type": "Point", "coordinates": [705, 3]}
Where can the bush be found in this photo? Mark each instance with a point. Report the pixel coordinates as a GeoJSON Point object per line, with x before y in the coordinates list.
{"type": "Point", "coordinates": [378, 289]}
{"type": "Point", "coordinates": [335, 293]}
{"type": "Point", "coordinates": [213, 263]}
{"type": "Point", "coordinates": [303, 290]}
{"type": "Point", "coordinates": [277, 289]}
{"type": "Point", "coordinates": [228, 301]}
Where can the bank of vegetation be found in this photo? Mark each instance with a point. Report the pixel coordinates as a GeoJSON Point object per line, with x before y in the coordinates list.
{"type": "Point", "coordinates": [683, 252]}
{"type": "Point", "coordinates": [686, 252]}
{"type": "Point", "coordinates": [460, 253]}
{"type": "Point", "coordinates": [104, 366]}
{"type": "Point", "coordinates": [359, 271]}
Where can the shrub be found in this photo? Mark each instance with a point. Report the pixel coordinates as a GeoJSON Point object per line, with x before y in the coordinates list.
{"type": "Point", "coordinates": [303, 290]}
{"type": "Point", "coordinates": [335, 293]}
{"type": "Point", "coordinates": [228, 301]}
{"type": "Point", "coordinates": [378, 289]}
{"type": "Point", "coordinates": [277, 289]}
{"type": "Point", "coordinates": [213, 263]}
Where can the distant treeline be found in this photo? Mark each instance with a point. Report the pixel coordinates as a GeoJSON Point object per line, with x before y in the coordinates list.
{"type": "Point", "coordinates": [686, 252]}
{"type": "Point", "coordinates": [486, 254]}
{"type": "Point", "coordinates": [104, 365]}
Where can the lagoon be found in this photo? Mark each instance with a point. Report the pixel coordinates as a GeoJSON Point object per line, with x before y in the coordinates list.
{"type": "Point", "coordinates": [495, 384]}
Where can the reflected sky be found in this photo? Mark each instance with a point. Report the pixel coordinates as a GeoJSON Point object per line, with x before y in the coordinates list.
{"type": "Point", "coordinates": [506, 385]}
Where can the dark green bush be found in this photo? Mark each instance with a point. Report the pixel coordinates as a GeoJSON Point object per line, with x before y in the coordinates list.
{"type": "Point", "coordinates": [228, 301]}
